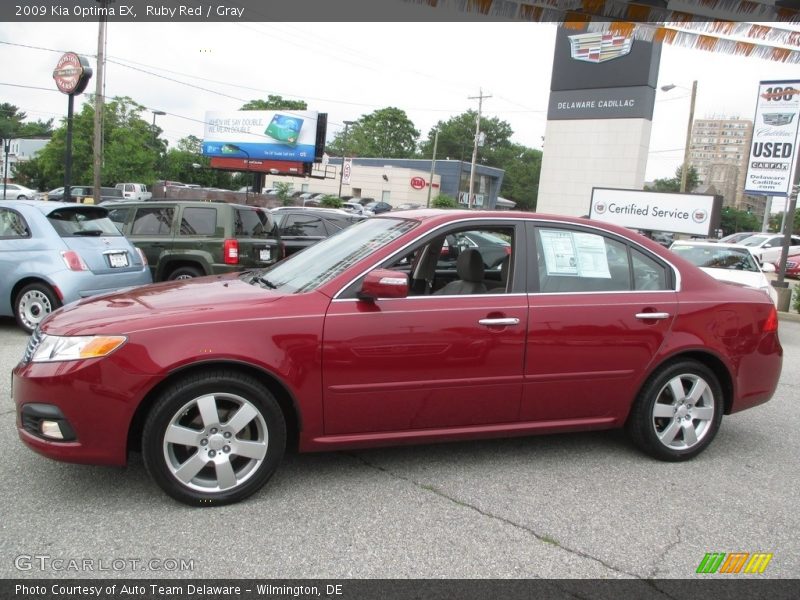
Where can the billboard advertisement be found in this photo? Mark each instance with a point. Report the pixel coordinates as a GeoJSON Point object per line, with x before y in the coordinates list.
{"type": "Point", "coordinates": [693, 214]}
{"type": "Point", "coordinates": [775, 127]}
{"type": "Point", "coordinates": [286, 135]}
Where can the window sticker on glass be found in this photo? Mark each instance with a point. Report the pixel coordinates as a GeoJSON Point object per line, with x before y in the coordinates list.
{"type": "Point", "coordinates": [572, 253]}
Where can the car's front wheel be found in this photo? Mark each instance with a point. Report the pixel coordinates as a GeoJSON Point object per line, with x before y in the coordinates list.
{"type": "Point", "coordinates": [33, 303]}
{"type": "Point", "coordinates": [678, 412]}
{"type": "Point", "coordinates": [214, 438]}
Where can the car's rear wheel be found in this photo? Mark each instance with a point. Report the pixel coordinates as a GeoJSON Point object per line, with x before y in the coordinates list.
{"type": "Point", "coordinates": [214, 438]}
{"type": "Point", "coordinates": [33, 303]}
{"type": "Point", "coordinates": [678, 412]}
{"type": "Point", "coordinates": [185, 273]}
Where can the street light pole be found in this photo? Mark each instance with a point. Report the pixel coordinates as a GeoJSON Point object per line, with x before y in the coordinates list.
{"type": "Point", "coordinates": [433, 166]}
{"type": "Point", "coordinates": [685, 167]}
{"type": "Point", "coordinates": [344, 151]}
{"type": "Point", "coordinates": [159, 113]}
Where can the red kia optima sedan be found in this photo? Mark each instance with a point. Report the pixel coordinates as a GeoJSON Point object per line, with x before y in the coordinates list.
{"type": "Point", "coordinates": [375, 337]}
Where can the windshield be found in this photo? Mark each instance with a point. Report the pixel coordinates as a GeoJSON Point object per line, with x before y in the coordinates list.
{"type": "Point", "coordinates": [754, 240]}
{"type": "Point", "coordinates": [323, 261]}
{"type": "Point", "coordinates": [735, 259]}
{"type": "Point", "coordinates": [82, 221]}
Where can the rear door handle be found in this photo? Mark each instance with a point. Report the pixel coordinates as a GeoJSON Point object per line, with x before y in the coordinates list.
{"type": "Point", "coordinates": [501, 321]}
{"type": "Point", "coordinates": [652, 316]}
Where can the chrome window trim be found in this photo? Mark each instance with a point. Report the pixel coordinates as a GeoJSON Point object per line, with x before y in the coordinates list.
{"type": "Point", "coordinates": [515, 220]}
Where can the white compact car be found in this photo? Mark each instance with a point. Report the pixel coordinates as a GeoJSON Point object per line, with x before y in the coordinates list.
{"type": "Point", "coordinates": [767, 247]}
{"type": "Point", "coordinates": [728, 262]}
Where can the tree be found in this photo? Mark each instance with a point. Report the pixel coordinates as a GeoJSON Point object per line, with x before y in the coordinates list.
{"type": "Point", "coordinates": [733, 220]}
{"type": "Point", "coordinates": [283, 190]}
{"type": "Point", "coordinates": [275, 103]}
{"type": "Point", "coordinates": [330, 202]}
{"type": "Point", "coordinates": [776, 220]}
{"type": "Point", "coordinates": [444, 201]}
{"type": "Point", "coordinates": [522, 165]}
{"type": "Point", "coordinates": [130, 147]}
{"type": "Point", "coordinates": [673, 184]}
{"type": "Point", "coordinates": [13, 125]}
{"type": "Point", "coordinates": [384, 133]}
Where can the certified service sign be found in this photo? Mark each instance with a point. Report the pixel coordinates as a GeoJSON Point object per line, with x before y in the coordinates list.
{"type": "Point", "coordinates": [72, 73]}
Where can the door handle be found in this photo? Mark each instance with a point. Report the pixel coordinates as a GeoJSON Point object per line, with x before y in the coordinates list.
{"type": "Point", "coordinates": [500, 321]}
{"type": "Point", "coordinates": [652, 316]}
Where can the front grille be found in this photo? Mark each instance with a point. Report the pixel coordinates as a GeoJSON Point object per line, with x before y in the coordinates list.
{"type": "Point", "coordinates": [33, 343]}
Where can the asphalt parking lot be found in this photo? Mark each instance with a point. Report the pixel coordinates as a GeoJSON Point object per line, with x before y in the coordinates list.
{"type": "Point", "coordinates": [567, 506]}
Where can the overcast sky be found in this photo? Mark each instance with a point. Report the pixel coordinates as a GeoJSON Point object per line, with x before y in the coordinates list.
{"type": "Point", "coordinates": [346, 70]}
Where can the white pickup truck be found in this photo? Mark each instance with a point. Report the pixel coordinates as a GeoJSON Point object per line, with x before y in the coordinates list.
{"type": "Point", "coordinates": [134, 191]}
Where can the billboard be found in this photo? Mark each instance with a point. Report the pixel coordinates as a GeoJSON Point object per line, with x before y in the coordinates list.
{"type": "Point", "coordinates": [285, 135]}
{"type": "Point", "coordinates": [772, 153]}
{"type": "Point", "coordinates": [692, 214]}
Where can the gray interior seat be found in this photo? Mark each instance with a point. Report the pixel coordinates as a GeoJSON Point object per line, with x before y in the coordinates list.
{"type": "Point", "coordinates": [470, 270]}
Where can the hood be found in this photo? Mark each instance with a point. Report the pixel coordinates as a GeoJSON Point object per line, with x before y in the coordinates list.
{"type": "Point", "coordinates": [153, 306]}
{"type": "Point", "coordinates": [743, 278]}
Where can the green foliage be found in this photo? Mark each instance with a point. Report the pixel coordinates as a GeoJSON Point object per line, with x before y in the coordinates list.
{"type": "Point", "coordinates": [673, 184]}
{"type": "Point", "coordinates": [331, 202]}
{"type": "Point", "coordinates": [733, 220]}
{"type": "Point", "coordinates": [284, 192]}
{"type": "Point", "coordinates": [444, 201]}
{"type": "Point", "coordinates": [522, 165]}
{"type": "Point", "coordinates": [131, 148]}
{"type": "Point", "coordinates": [776, 220]}
{"type": "Point", "coordinates": [384, 133]}
{"type": "Point", "coordinates": [275, 103]}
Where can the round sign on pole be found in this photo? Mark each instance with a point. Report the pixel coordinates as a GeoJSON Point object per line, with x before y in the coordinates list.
{"type": "Point", "coordinates": [418, 183]}
{"type": "Point", "coordinates": [72, 73]}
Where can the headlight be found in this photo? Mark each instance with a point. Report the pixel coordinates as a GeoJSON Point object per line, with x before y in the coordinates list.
{"type": "Point", "coordinates": [54, 348]}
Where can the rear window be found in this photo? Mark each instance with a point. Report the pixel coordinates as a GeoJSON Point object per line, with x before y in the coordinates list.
{"type": "Point", "coordinates": [82, 221]}
{"type": "Point", "coordinates": [252, 223]}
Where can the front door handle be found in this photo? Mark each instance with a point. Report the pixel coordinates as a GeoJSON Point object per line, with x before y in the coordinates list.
{"type": "Point", "coordinates": [500, 321]}
{"type": "Point", "coordinates": [652, 316]}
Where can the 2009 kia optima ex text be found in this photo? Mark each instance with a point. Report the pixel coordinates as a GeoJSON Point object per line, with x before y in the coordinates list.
{"type": "Point", "coordinates": [375, 337]}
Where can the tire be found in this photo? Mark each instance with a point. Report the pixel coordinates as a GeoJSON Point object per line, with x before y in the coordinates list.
{"type": "Point", "coordinates": [678, 412]}
{"type": "Point", "coordinates": [227, 437]}
{"type": "Point", "coordinates": [33, 303]}
{"type": "Point", "coordinates": [185, 273]}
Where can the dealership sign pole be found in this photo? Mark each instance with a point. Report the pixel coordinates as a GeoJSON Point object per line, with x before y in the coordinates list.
{"type": "Point", "coordinates": [71, 75]}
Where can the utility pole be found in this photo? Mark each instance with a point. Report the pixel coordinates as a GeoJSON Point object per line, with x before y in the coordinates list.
{"type": "Point", "coordinates": [433, 167]}
{"type": "Point", "coordinates": [685, 169]}
{"type": "Point", "coordinates": [98, 101]}
{"type": "Point", "coordinates": [475, 145]}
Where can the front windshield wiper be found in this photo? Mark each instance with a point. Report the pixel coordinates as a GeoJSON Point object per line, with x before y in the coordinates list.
{"type": "Point", "coordinates": [262, 280]}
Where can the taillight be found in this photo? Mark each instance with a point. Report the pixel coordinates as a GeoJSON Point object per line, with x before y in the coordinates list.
{"type": "Point", "coordinates": [231, 252]}
{"type": "Point", "coordinates": [771, 324]}
{"type": "Point", "coordinates": [73, 261]}
{"type": "Point", "coordinates": [508, 250]}
{"type": "Point", "coordinates": [141, 255]}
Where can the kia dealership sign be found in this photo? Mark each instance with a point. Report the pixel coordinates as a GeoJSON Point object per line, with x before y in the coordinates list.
{"type": "Point", "coordinates": [772, 153]}
{"type": "Point", "coordinates": [692, 214]}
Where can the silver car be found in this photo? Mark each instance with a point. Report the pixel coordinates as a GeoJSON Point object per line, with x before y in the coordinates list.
{"type": "Point", "coordinates": [52, 253]}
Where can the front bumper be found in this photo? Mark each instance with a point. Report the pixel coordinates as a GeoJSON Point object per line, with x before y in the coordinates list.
{"type": "Point", "coordinates": [97, 415]}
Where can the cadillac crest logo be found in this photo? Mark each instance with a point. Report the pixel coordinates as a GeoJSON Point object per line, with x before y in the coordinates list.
{"type": "Point", "coordinates": [599, 47]}
{"type": "Point", "coordinates": [777, 119]}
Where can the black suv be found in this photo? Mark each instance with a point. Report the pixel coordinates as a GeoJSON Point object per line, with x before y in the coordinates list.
{"type": "Point", "coordinates": [184, 239]}
{"type": "Point", "coordinates": [300, 228]}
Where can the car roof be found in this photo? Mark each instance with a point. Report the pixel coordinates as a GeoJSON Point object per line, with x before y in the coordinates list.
{"type": "Point", "coordinates": [184, 202]}
{"type": "Point", "coordinates": [701, 244]}
{"type": "Point", "coordinates": [47, 207]}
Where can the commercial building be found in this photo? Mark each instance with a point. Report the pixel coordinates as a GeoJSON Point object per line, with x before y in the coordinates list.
{"type": "Point", "coordinates": [19, 150]}
{"type": "Point", "coordinates": [398, 181]}
{"type": "Point", "coordinates": [719, 149]}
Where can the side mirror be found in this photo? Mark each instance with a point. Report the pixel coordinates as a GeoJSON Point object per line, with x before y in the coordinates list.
{"type": "Point", "coordinates": [384, 283]}
{"type": "Point", "coordinates": [768, 267]}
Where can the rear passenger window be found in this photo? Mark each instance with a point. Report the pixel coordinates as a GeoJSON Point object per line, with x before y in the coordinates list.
{"type": "Point", "coordinates": [153, 221]}
{"type": "Point", "coordinates": [647, 273]}
{"type": "Point", "coordinates": [303, 225]}
{"type": "Point", "coordinates": [252, 223]}
{"type": "Point", "coordinates": [12, 225]}
{"type": "Point", "coordinates": [198, 221]}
